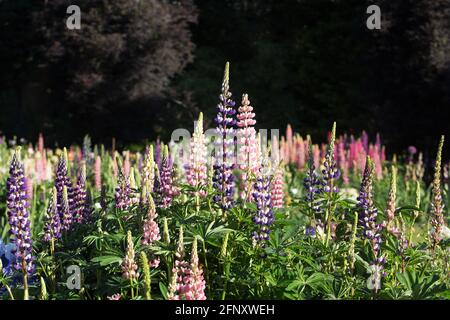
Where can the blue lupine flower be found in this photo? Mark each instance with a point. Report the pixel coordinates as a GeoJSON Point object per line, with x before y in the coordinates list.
{"type": "Point", "coordinates": [7, 257]}
{"type": "Point", "coordinates": [223, 178]}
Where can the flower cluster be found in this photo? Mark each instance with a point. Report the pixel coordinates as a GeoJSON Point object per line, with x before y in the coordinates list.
{"type": "Point", "coordinates": [223, 178]}
{"type": "Point", "coordinates": [179, 286]}
{"type": "Point", "coordinates": [129, 266]}
{"type": "Point", "coordinates": [122, 193]}
{"type": "Point", "coordinates": [368, 213]}
{"type": "Point", "coordinates": [196, 280]}
{"type": "Point", "coordinates": [18, 217]}
{"type": "Point", "coordinates": [151, 228]}
{"type": "Point", "coordinates": [197, 170]}
{"type": "Point", "coordinates": [437, 207]}
{"type": "Point", "coordinates": [330, 171]}
{"type": "Point", "coordinates": [263, 217]}
{"type": "Point", "coordinates": [52, 226]}
{"type": "Point", "coordinates": [312, 184]}
{"type": "Point", "coordinates": [164, 185]}
{"type": "Point", "coordinates": [248, 150]}
{"type": "Point", "coordinates": [64, 202]}
{"type": "Point", "coordinates": [81, 212]}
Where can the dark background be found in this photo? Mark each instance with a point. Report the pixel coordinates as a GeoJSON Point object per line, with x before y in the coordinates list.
{"type": "Point", "coordinates": [139, 69]}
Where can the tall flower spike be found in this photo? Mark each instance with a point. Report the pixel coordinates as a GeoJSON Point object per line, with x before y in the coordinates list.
{"type": "Point", "coordinates": [277, 192]}
{"type": "Point", "coordinates": [330, 171]}
{"type": "Point", "coordinates": [367, 215]}
{"type": "Point", "coordinates": [196, 282]}
{"type": "Point", "coordinates": [52, 226]}
{"type": "Point", "coordinates": [98, 173]}
{"type": "Point", "coordinates": [122, 194]}
{"type": "Point", "coordinates": [197, 167]}
{"type": "Point", "coordinates": [165, 187]}
{"type": "Point", "coordinates": [151, 228]}
{"type": "Point", "coordinates": [129, 266]}
{"type": "Point", "coordinates": [180, 286]}
{"type": "Point", "coordinates": [67, 218]}
{"type": "Point", "coordinates": [148, 170]}
{"type": "Point", "coordinates": [81, 203]}
{"type": "Point", "coordinates": [247, 146]}
{"type": "Point", "coordinates": [312, 184]}
{"type": "Point", "coordinates": [390, 210]}
{"type": "Point", "coordinates": [263, 217]}
{"type": "Point", "coordinates": [437, 207]}
{"type": "Point", "coordinates": [62, 181]}
{"type": "Point", "coordinates": [19, 219]}
{"type": "Point", "coordinates": [223, 178]}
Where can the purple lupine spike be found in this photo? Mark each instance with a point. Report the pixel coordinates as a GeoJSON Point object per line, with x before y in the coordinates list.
{"type": "Point", "coordinates": [368, 212]}
{"type": "Point", "coordinates": [122, 194]}
{"type": "Point", "coordinates": [62, 181]}
{"type": "Point", "coordinates": [223, 178]}
{"type": "Point", "coordinates": [164, 185]}
{"type": "Point", "coordinates": [52, 227]}
{"type": "Point", "coordinates": [18, 218]}
{"type": "Point", "coordinates": [81, 204]}
{"type": "Point", "coordinates": [158, 148]}
{"type": "Point", "coordinates": [263, 217]}
{"type": "Point", "coordinates": [67, 218]}
{"type": "Point", "coordinates": [312, 184]}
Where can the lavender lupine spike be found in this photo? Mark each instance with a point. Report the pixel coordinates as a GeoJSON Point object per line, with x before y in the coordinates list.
{"type": "Point", "coordinates": [223, 178]}
{"type": "Point", "coordinates": [312, 184]}
{"type": "Point", "coordinates": [151, 228]}
{"type": "Point", "coordinates": [81, 203]}
{"type": "Point", "coordinates": [62, 181]}
{"type": "Point", "coordinates": [122, 194]}
{"type": "Point", "coordinates": [165, 188]}
{"type": "Point", "coordinates": [437, 207]}
{"type": "Point", "coordinates": [67, 217]}
{"type": "Point", "coordinates": [263, 217]}
{"type": "Point", "coordinates": [52, 226]}
{"type": "Point", "coordinates": [367, 214]}
{"type": "Point", "coordinates": [19, 220]}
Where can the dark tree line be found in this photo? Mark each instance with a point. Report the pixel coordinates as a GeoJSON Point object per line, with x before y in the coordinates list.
{"type": "Point", "coordinates": [139, 69]}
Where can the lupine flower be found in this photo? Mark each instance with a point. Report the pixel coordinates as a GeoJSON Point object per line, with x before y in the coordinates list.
{"type": "Point", "coordinates": [223, 178]}
{"type": "Point", "coordinates": [197, 283]}
{"type": "Point", "coordinates": [263, 217]}
{"type": "Point", "coordinates": [122, 194]}
{"type": "Point", "coordinates": [368, 213]}
{"type": "Point", "coordinates": [81, 211]}
{"type": "Point", "coordinates": [197, 169]}
{"type": "Point", "coordinates": [151, 228]}
{"type": "Point", "coordinates": [276, 192]}
{"type": "Point", "coordinates": [248, 151]}
{"type": "Point", "coordinates": [65, 214]}
{"type": "Point", "coordinates": [62, 181]}
{"type": "Point", "coordinates": [330, 171]}
{"type": "Point", "coordinates": [312, 184]}
{"type": "Point", "coordinates": [18, 217]}
{"type": "Point", "coordinates": [165, 188]}
{"type": "Point", "coordinates": [179, 286]}
{"type": "Point", "coordinates": [129, 266]}
{"type": "Point", "coordinates": [127, 164]}
{"type": "Point", "coordinates": [148, 170]}
{"type": "Point", "coordinates": [52, 227]}
{"type": "Point", "coordinates": [98, 173]}
{"type": "Point", "coordinates": [437, 207]}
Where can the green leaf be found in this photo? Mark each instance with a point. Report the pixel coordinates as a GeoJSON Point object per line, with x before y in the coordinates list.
{"type": "Point", "coordinates": [107, 260]}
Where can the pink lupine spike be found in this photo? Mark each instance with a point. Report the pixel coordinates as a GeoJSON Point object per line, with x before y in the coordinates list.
{"type": "Point", "coordinates": [98, 173]}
